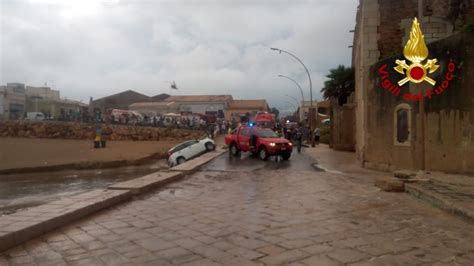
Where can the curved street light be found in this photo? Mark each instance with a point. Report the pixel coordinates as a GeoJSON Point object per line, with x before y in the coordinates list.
{"type": "Point", "coordinates": [296, 101]}
{"type": "Point", "coordinates": [310, 92]}
{"type": "Point", "coordinates": [305, 68]}
{"type": "Point", "coordinates": [294, 106]}
{"type": "Point", "coordinates": [298, 85]}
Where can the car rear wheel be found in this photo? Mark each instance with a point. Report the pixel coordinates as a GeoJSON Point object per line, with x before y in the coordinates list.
{"type": "Point", "coordinates": [181, 160]}
{"type": "Point", "coordinates": [263, 154]}
{"type": "Point", "coordinates": [286, 156]}
{"type": "Point", "coordinates": [210, 146]}
{"type": "Point", "coordinates": [234, 151]}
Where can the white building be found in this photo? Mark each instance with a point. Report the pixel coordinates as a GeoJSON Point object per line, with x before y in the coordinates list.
{"type": "Point", "coordinates": [154, 108]}
{"type": "Point", "coordinates": [202, 104]}
{"type": "Point", "coordinates": [12, 101]}
{"type": "Point", "coordinates": [42, 93]}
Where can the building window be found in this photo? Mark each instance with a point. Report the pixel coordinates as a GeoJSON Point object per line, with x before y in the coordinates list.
{"type": "Point", "coordinates": [402, 125]}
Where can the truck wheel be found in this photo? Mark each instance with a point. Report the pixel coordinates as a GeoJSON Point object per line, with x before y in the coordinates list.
{"type": "Point", "coordinates": [262, 154]}
{"type": "Point", "coordinates": [286, 156]}
{"type": "Point", "coordinates": [210, 146]}
{"type": "Point", "coordinates": [234, 151]}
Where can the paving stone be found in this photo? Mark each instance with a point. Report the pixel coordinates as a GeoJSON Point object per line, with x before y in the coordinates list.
{"type": "Point", "coordinates": [271, 250]}
{"type": "Point", "coordinates": [284, 257]}
{"type": "Point", "coordinates": [318, 248]}
{"type": "Point", "coordinates": [347, 255]}
{"type": "Point", "coordinates": [245, 253]}
{"type": "Point", "coordinates": [209, 252]}
{"type": "Point", "coordinates": [321, 260]}
{"type": "Point", "coordinates": [187, 242]}
{"type": "Point", "coordinates": [172, 253]}
{"type": "Point", "coordinates": [202, 262]}
{"type": "Point", "coordinates": [223, 245]}
{"type": "Point", "coordinates": [155, 244]}
{"type": "Point", "coordinates": [297, 243]}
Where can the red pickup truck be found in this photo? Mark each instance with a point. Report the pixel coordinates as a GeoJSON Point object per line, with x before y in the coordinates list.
{"type": "Point", "coordinates": [263, 142]}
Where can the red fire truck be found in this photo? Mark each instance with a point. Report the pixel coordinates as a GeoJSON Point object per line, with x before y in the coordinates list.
{"type": "Point", "coordinates": [265, 120]}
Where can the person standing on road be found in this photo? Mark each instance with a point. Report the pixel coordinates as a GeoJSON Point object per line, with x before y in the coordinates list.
{"type": "Point", "coordinates": [317, 135]}
{"type": "Point", "coordinates": [298, 137]}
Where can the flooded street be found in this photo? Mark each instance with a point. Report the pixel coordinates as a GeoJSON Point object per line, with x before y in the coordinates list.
{"type": "Point", "coordinates": [19, 191]}
{"type": "Point", "coordinates": [247, 162]}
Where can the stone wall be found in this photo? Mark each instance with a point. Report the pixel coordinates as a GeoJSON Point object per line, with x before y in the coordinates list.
{"type": "Point", "coordinates": [447, 142]}
{"type": "Point", "coordinates": [72, 130]}
{"type": "Point", "coordinates": [379, 34]}
{"type": "Point", "coordinates": [343, 127]}
{"type": "Point", "coordinates": [441, 18]}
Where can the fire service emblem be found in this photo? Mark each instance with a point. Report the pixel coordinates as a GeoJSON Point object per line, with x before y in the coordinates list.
{"type": "Point", "coordinates": [416, 52]}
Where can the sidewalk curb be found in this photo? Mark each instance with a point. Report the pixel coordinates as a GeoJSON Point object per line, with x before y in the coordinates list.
{"type": "Point", "coordinates": [22, 226]}
{"type": "Point", "coordinates": [193, 165]}
{"type": "Point", "coordinates": [149, 182]}
{"type": "Point", "coordinates": [438, 201]}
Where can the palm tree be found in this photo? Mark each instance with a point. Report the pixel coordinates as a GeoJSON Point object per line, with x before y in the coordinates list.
{"type": "Point", "coordinates": [340, 84]}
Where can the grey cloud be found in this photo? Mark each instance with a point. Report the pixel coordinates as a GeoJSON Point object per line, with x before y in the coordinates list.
{"type": "Point", "coordinates": [206, 46]}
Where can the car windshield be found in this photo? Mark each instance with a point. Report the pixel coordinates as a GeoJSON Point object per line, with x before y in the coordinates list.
{"type": "Point", "coordinates": [267, 133]}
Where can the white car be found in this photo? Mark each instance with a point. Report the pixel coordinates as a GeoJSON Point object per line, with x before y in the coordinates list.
{"type": "Point", "coordinates": [188, 150]}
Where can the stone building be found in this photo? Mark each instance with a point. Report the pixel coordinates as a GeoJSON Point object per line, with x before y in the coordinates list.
{"type": "Point", "coordinates": [120, 100]}
{"type": "Point", "coordinates": [42, 93]}
{"type": "Point", "coordinates": [238, 110]}
{"type": "Point", "coordinates": [323, 109]}
{"type": "Point", "coordinates": [214, 105]}
{"type": "Point", "coordinates": [57, 109]}
{"type": "Point", "coordinates": [398, 128]}
{"type": "Point", "coordinates": [155, 108]}
{"type": "Point", "coordinates": [12, 101]}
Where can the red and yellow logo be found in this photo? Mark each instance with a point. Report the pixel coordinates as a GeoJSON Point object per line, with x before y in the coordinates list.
{"type": "Point", "coordinates": [416, 52]}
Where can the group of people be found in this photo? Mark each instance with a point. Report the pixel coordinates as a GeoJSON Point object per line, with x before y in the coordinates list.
{"type": "Point", "coordinates": [299, 134]}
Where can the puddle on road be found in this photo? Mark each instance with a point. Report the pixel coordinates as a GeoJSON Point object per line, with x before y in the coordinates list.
{"type": "Point", "coordinates": [247, 162]}
{"type": "Point", "coordinates": [18, 191]}
{"type": "Point", "coordinates": [317, 167]}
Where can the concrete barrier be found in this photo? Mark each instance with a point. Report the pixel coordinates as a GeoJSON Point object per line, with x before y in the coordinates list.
{"type": "Point", "coordinates": [148, 182]}
{"type": "Point", "coordinates": [193, 165]}
{"type": "Point", "coordinates": [20, 227]}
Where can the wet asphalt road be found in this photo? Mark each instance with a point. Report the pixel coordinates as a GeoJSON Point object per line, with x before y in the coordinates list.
{"type": "Point", "coordinates": [247, 162]}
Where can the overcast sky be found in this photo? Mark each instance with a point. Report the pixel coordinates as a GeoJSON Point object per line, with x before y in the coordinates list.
{"type": "Point", "coordinates": [97, 48]}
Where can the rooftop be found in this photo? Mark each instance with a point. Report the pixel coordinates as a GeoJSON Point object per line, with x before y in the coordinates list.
{"type": "Point", "coordinates": [249, 104]}
{"type": "Point", "coordinates": [199, 98]}
{"type": "Point", "coordinates": [153, 104]}
{"type": "Point", "coordinates": [321, 104]}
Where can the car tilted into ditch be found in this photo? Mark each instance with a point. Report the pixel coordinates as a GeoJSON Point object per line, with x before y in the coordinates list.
{"type": "Point", "coordinates": [188, 150]}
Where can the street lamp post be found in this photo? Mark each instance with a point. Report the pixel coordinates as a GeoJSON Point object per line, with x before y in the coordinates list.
{"type": "Point", "coordinates": [298, 85]}
{"type": "Point", "coordinates": [296, 101]}
{"type": "Point", "coordinates": [292, 105]}
{"type": "Point", "coordinates": [312, 113]}
{"type": "Point", "coordinates": [305, 68]}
